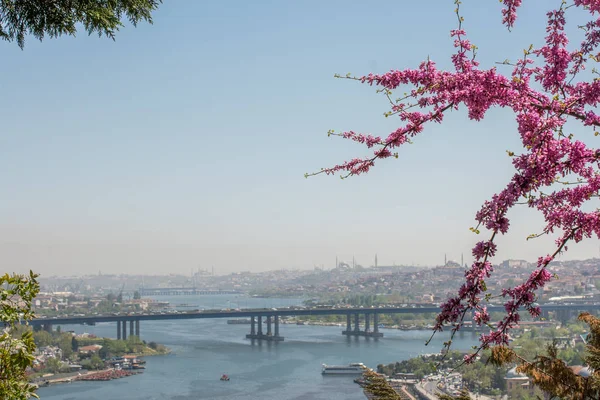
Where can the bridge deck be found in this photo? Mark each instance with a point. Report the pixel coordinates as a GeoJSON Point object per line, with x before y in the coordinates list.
{"type": "Point", "coordinates": [271, 312]}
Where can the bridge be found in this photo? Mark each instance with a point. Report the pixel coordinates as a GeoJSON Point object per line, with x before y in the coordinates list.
{"type": "Point", "coordinates": [270, 317]}
{"type": "Point", "coordinates": [178, 291]}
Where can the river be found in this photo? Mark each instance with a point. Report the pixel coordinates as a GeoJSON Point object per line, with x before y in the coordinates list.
{"type": "Point", "coordinates": [204, 349]}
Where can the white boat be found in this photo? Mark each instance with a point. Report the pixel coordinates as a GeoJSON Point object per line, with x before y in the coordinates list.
{"type": "Point", "coordinates": [350, 369]}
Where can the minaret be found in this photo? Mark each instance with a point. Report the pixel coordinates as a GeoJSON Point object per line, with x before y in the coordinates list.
{"type": "Point", "coordinates": [336, 262]}
{"type": "Point", "coordinates": [376, 260]}
{"type": "Point", "coordinates": [462, 260]}
{"type": "Point", "coordinates": [445, 260]}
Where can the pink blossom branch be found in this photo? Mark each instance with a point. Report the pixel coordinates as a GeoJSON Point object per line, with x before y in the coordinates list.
{"type": "Point", "coordinates": [359, 166]}
{"type": "Point", "coordinates": [541, 93]}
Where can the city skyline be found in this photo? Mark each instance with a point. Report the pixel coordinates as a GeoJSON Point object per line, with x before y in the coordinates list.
{"type": "Point", "coordinates": [186, 142]}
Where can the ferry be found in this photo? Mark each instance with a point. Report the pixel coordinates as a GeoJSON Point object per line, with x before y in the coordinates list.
{"type": "Point", "coordinates": [350, 369]}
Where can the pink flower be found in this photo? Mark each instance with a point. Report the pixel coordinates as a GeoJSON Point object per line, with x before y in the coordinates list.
{"type": "Point", "coordinates": [545, 92]}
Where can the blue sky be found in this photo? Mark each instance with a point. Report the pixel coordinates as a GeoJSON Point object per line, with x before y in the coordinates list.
{"type": "Point", "coordinates": [183, 144]}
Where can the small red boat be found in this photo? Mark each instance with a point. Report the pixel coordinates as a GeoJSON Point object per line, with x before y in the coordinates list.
{"type": "Point", "coordinates": [224, 377]}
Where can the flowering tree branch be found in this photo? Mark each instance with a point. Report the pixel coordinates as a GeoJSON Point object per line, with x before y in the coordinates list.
{"type": "Point", "coordinates": [544, 93]}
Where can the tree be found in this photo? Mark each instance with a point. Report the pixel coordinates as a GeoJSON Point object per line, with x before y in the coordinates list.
{"type": "Point", "coordinates": [137, 295]}
{"type": "Point", "coordinates": [16, 346]}
{"type": "Point", "coordinates": [112, 348]}
{"type": "Point", "coordinates": [96, 362]}
{"type": "Point", "coordinates": [545, 89]}
{"type": "Point", "coordinates": [65, 342]}
{"type": "Point", "coordinates": [43, 338]}
{"type": "Point", "coordinates": [378, 387]}
{"type": "Point", "coordinates": [553, 375]}
{"type": "Point", "coordinates": [41, 18]}
{"type": "Point", "coordinates": [53, 365]}
{"type": "Point", "coordinates": [556, 174]}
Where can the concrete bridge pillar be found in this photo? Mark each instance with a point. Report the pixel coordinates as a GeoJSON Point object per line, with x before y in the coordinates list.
{"type": "Point", "coordinates": [259, 325]}
{"type": "Point", "coordinates": [545, 315]}
{"type": "Point", "coordinates": [563, 316]}
{"type": "Point", "coordinates": [131, 329]}
{"type": "Point", "coordinates": [368, 331]}
{"type": "Point", "coordinates": [137, 328]}
{"type": "Point", "coordinates": [271, 320]}
{"type": "Point", "coordinates": [124, 330]}
{"type": "Point", "coordinates": [118, 330]}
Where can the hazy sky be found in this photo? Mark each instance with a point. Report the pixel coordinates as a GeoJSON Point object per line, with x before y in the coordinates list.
{"type": "Point", "coordinates": [184, 143]}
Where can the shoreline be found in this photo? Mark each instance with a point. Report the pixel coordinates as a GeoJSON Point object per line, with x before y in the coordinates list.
{"type": "Point", "coordinates": [106, 374]}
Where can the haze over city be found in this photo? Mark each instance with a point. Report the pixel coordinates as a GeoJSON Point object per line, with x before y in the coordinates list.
{"type": "Point", "coordinates": [184, 144]}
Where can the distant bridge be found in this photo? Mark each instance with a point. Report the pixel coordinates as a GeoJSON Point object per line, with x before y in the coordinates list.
{"type": "Point", "coordinates": [272, 316]}
{"type": "Point", "coordinates": [182, 291]}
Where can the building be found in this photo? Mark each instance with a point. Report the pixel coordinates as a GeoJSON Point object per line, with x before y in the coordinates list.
{"type": "Point", "coordinates": [515, 380]}
{"type": "Point", "coordinates": [92, 348]}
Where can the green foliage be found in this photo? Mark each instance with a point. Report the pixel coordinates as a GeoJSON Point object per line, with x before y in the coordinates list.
{"type": "Point", "coordinates": [16, 345]}
{"type": "Point", "coordinates": [137, 295]}
{"type": "Point", "coordinates": [42, 18]}
{"type": "Point", "coordinates": [550, 373]}
{"type": "Point", "coordinates": [65, 342]}
{"type": "Point", "coordinates": [525, 394]}
{"type": "Point", "coordinates": [108, 306]}
{"type": "Point", "coordinates": [113, 348]}
{"type": "Point", "coordinates": [479, 376]}
{"type": "Point", "coordinates": [134, 345]}
{"type": "Point", "coordinates": [96, 362]}
{"type": "Point", "coordinates": [55, 366]}
{"type": "Point", "coordinates": [55, 18]}
{"type": "Point", "coordinates": [43, 338]}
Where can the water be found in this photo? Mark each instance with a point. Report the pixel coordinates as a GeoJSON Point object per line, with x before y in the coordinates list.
{"type": "Point", "coordinates": [203, 350]}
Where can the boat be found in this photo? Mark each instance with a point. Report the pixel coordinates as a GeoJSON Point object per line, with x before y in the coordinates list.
{"type": "Point", "coordinates": [224, 377]}
{"type": "Point", "coordinates": [350, 369]}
